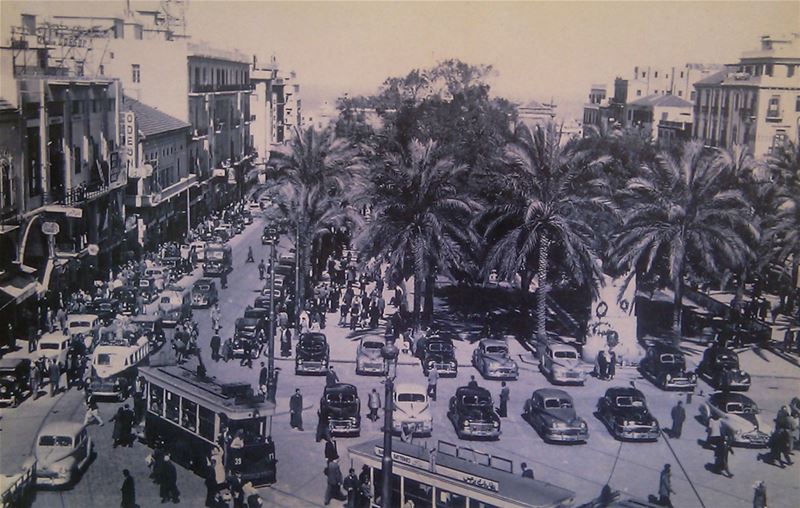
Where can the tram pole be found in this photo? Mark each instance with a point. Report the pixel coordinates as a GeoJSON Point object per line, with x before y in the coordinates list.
{"type": "Point", "coordinates": [389, 352]}
{"type": "Point", "coordinates": [271, 342]}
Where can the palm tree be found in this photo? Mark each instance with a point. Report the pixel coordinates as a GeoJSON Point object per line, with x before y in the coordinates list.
{"type": "Point", "coordinates": [784, 228]}
{"type": "Point", "coordinates": [420, 218]}
{"type": "Point", "coordinates": [683, 210]}
{"type": "Point", "coordinates": [546, 199]}
{"type": "Point", "coordinates": [312, 174]}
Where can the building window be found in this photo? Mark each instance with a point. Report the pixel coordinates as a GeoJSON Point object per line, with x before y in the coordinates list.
{"type": "Point", "coordinates": [77, 160]}
{"type": "Point", "coordinates": [768, 69]}
{"type": "Point", "coordinates": [196, 76]}
{"type": "Point", "coordinates": [102, 70]}
{"type": "Point", "coordinates": [680, 93]}
{"type": "Point", "coordinates": [693, 96]}
{"type": "Point", "coordinates": [773, 109]}
{"type": "Point", "coordinates": [136, 73]}
{"type": "Point", "coordinates": [638, 93]}
{"type": "Point", "coordinates": [797, 104]}
{"type": "Point", "coordinates": [656, 74]}
{"type": "Point", "coordinates": [644, 74]}
{"type": "Point", "coordinates": [789, 71]}
{"type": "Point", "coordinates": [681, 73]}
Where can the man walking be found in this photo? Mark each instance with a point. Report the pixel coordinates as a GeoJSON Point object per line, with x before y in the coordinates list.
{"type": "Point", "coordinates": [263, 376]}
{"type": "Point", "coordinates": [261, 269]}
{"type": "Point", "coordinates": [334, 482]}
{"type": "Point", "coordinates": [331, 449]}
{"type": "Point", "coordinates": [92, 413]}
{"type": "Point", "coordinates": [526, 472]}
{"type": "Point", "coordinates": [128, 490]}
{"type": "Point", "coordinates": [54, 371]}
{"type": "Point", "coordinates": [296, 410]}
{"type": "Point", "coordinates": [759, 495]}
{"type": "Point", "coordinates": [665, 486]}
{"type": "Point", "coordinates": [216, 342]}
{"type": "Point", "coordinates": [351, 487]}
{"type": "Point", "coordinates": [433, 378]}
{"type": "Point", "coordinates": [168, 481]}
{"type": "Point", "coordinates": [678, 417]}
{"type": "Point", "coordinates": [721, 454]}
{"type": "Point", "coordinates": [331, 378]}
{"type": "Point", "coordinates": [505, 394]}
{"type": "Point", "coordinates": [374, 404]}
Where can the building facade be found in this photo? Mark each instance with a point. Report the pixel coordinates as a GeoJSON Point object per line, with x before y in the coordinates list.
{"type": "Point", "coordinates": [287, 107]}
{"type": "Point", "coordinates": [534, 113]}
{"type": "Point", "coordinates": [648, 114]}
{"type": "Point", "coordinates": [755, 102]}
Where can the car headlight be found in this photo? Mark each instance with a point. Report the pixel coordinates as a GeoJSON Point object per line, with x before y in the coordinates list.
{"type": "Point", "coordinates": [669, 377]}
{"type": "Point", "coordinates": [299, 361]}
{"type": "Point", "coordinates": [466, 424]}
{"type": "Point", "coordinates": [558, 425]}
{"type": "Point", "coordinates": [692, 376]}
{"type": "Point", "coordinates": [496, 424]}
{"type": "Point", "coordinates": [583, 425]}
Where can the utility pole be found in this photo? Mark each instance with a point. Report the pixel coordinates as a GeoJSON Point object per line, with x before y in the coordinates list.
{"type": "Point", "coordinates": [389, 352]}
{"type": "Point", "coordinates": [297, 308]}
{"type": "Point", "coordinates": [271, 343]}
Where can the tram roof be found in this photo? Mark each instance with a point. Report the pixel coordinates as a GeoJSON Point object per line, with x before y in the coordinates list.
{"type": "Point", "coordinates": [186, 383]}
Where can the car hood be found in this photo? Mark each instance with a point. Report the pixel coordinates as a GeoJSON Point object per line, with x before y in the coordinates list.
{"type": "Point", "coordinates": [440, 357]}
{"type": "Point", "coordinates": [46, 457]}
{"type": "Point", "coordinates": [567, 363]}
{"type": "Point", "coordinates": [306, 354]}
{"type": "Point", "coordinates": [371, 354]}
{"type": "Point", "coordinates": [499, 359]}
{"type": "Point", "coordinates": [745, 421]}
{"type": "Point", "coordinates": [411, 409]}
{"type": "Point", "coordinates": [566, 415]}
{"type": "Point", "coordinates": [343, 410]}
{"type": "Point", "coordinates": [637, 414]}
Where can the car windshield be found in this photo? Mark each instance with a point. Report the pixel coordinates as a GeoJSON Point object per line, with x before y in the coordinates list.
{"type": "Point", "coordinates": [496, 350]}
{"type": "Point", "coordinates": [728, 360]}
{"type": "Point", "coordinates": [165, 299]}
{"type": "Point", "coordinates": [476, 400]}
{"type": "Point", "coordinates": [202, 287]}
{"type": "Point", "coordinates": [740, 408]}
{"type": "Point", "coordinates": [215, 254]}
{"type": "Point", "coordinates": [102, 359]}
{"type": "Point", "coordinates": [565, 354]}
{"type": "Point", "coordinates": [558, 403]}
{"type": "Point", "coordinates": [48, 345]}
{"type": "Point", "coordinates": [313, 344]}
{"type": "Point", "coordinates": [341, 398]}
{"type": "Point", "coordinates": [410, 397]}
{"type": "Point", "coordinates": [144, 283]}
{"type": "Point", "coordinates": [668, 358]}
{"type": "Point", "coordinates": [628, 401]}
{"type": "Point", "coordinates": [79, 324]}
{"type": "Point", "coordinates": [373, 345]}
{"type": "Point", "coordinates": [440, 347]}
{"type": "Point", "coordinates": [55, 441]}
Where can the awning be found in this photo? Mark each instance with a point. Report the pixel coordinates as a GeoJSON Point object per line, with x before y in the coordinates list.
{"type": "Point", "coordinates": [8, 228]}
{"type": "Point", "coordinates": [19, 287]}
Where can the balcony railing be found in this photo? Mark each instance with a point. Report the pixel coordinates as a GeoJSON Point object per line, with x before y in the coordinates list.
{"type": "Point", "coordinates": [241, 87]}
{"type": "Point", "coordinates": [83, 193]}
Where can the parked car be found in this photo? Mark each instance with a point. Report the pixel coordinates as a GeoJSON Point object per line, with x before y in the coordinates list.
{"type": "Point", "coordinates": [147, 288]}
{"type": "Point", "coordinates": [471, 410]}
{"type": "Point", "coordinates": [438, 353]}
{"type": "Point", "coordinates": [343, 407]}
{"type": "Point", "coordinates": [104, 308]}
{"type": "Point", "coordinates": [253, 326]}
{"type": "Point", "coordinates": [552, 413]}
{"type": "Point", "coordinates": [87, 325]}
{"type": "Point", "coordinates": [369, 359]}
{"type": "Point", "coordinates": [492, 360]}
{"type": "Point", "coordinates": [312, 354]}
{"type": "Point", "coordinates": [159, 275]}
{"type": "Point", "coordinates": [624, 412]}
{"type": "Point", "coordinates": [125, 296]}
{"type": "Point", "coordinates": [739, 418]}
{"type": "Point", "coordinates": [560, 363]}
{"type": "Point", "coordinates": [152, 327]}
{"type": "Point", "coordinates": [412, 409]}
{"type": "Point", "coordinates": [54, 346]}
{"type": "Point", "coordinates": [269, 235]}
{"type": "Point", "coordinates": [63, 451]}
{"type": "Point", "coordinates": [14, 380]}
{"type": "Point", "coordinates": [665, 366]}
{"type": "Point", "coordinates": [199, 250]}
{"type": "Point", "coordinates": [720, 368]}
{"type": "Point", "coordinates": [204, 293]}
{"type": "Point", "coordinates": [247, 216]}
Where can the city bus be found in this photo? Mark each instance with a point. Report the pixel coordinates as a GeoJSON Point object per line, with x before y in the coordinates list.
{"type": "Point", "coordinates": [192, 414]}
{"type": "Point", "coordinates": [115, 363]}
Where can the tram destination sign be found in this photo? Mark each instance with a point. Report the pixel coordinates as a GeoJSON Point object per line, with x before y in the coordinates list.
{"type": "Point", "coordinates": [453, 474]}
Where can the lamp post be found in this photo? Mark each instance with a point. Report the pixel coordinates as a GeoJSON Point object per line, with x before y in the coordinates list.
{"type": "Point", "coordinates": [389, 352]}
{"type": "Point", "coordinates": [271, 342]}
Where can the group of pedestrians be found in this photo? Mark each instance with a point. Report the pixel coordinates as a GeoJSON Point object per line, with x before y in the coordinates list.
{"type": "Point", "coordinates": [606, 365]}
{"type": "Point", "coordinates": [357, 491]}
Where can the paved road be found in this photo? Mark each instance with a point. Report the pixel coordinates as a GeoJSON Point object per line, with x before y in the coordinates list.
{"type": "Point", "coordinates": [583, 468]}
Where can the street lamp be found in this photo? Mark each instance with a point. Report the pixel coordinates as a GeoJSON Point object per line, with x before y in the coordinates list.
{"type": "Point", "coordinates": [273, 240]}
{"type": "Point", "coordinates": [389, 352]}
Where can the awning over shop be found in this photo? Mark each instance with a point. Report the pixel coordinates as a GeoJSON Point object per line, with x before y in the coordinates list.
{"type": "Point", "coordinates": [19, 286]}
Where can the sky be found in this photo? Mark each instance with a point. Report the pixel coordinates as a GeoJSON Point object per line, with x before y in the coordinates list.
{"type": "Point", "coordinates": [539, 50]}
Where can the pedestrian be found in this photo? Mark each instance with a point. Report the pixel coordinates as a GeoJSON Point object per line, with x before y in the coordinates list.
{"type": "Point", "coordinates": [788, 338]}
{"type": "Point", "coordinates": [128, 419]}
{"type": "Point", "coordinates": [215, 316]}
{"type": "Point", "coordinates": [61, 318]}
{"type": "Point", "coordinates": [713, 432]}
{"type": "Point", "coordinates": [223, 279]}
{"type": "Point", "coordinates": [334, 482]}
{"type": "Point", "coordinates": [374, 404]}
{"type": "Point", "coordinates": [128, 490]}
{"type": "Point", "coordinates": [54, 371]}
{"type": "Point", "coordinates": [433, 378]}
{"type": "Point", "coordinates": [331, 449]}
{"type": "Point", "coordinates": [665, 486]}
{"type": "Point", "coordinates": [286, 342]}
{"type": "Point", "coordinates": [92, 412]}
{"type": "Point", "coordinates": [251, 496]}
{"type": "Point", "coordinates": [381, 305]}
{"type": "Point", "coordinates": [355, 312]}
{"type": "Point", "coordinates": [678, 414]}
{"type": "Point", "coordinates": [526, 472]}
{"type": "Point", "coordinates": [226, 352]}
{"type": "Point", "coordinates": [138, 407]}
{"type": "Point", "coordinates": [250, 258]}
{"type": "Point", "coordinates": [602, 365]}
{"type": "Point", "coordinates": [323, 427]}
{"type": "Point", "coordinates": [236, 488]}
{"type": "Point", "coordinates": [721, 453]}
{"type": "Point", "coordinates": [247, 354]}
{"type": "Point", "coordinates": [472, 383]}
{"type": "Point", "coordinates": [780, 446]}
{"type": "Point", "coordinates": [116, 434]}
{"type": "Point", "coordinates": [296, 410]}
{"type": "Point", "coordinates": [331, 378]}
{"type": "Point", "coordinates": [261, 269]}
{"type": "Point", "coordinates": [505, 393]}
{"type": "Point", "coordinates": [759, 495]}
{"type": "Point", "coordinates": [611, 368]}
{"type": "Point", "coordinates": [167, 479]}
{"type": "Point", "coordinates": [351, 487]}
{"type": "Point", "coordinates": [215, 345]}
{"type": "Point", "coordinates": [263, 376]}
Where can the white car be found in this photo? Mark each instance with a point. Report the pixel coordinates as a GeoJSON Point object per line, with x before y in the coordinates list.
{"type": "Point", "coordinates": [63, 451]}
{"type": "Point", "coordinates": [87, 325]}
{"type": "Point", "coordinates": [54, 346]}
{"type": "Point", "coordinates": [560, 363]}
{"type": "Point", "coordinates": [739, 418]}
{"type": "Point", "coordinates": [412, 407]}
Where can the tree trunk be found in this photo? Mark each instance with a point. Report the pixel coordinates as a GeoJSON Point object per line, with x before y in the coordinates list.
{"type": "Point", "coordinates": [677, 313]}
{"type": "Point", "coordinates": [430, 286]}
{"type": "Point", "coordinates": [418, 278]}
{"type": "Point", "coordinates": [541, 293]}
{"type": "Point", "coordinates": [303, 247]}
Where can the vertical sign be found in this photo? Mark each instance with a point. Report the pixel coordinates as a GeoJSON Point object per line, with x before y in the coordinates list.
{"type": "Point", "coordinates": [131, 143]}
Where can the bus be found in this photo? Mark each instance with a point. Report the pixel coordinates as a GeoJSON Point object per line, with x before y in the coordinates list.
{"type": "Point", "coordinates": [192, 414]}
{"type": "Point", "coordinates": [115, 363]}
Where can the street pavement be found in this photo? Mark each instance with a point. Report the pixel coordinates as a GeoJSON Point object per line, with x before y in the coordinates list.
{"type": "Point", "coordinates": [631, 467]}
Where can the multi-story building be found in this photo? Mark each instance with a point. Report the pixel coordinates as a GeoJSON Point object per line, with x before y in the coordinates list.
{"type": "Point", "coordinates": [755, 102]}
{"type": "Point", "coordinates": [286, 107]}
{"type": "Point", "coordinates": [261, 108]}
{"type": "Point", "coordinates": [534, 113]}
{"type": "Point", "coordinates": [159, 182]}
{"type": "Point", "coordinates": [648, 114]}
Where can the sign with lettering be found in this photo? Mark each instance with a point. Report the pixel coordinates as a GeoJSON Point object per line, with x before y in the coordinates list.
{"type": "Point", "coordinates": [131, 142]}
{"type": "Point", "coordinates": [50, 228]}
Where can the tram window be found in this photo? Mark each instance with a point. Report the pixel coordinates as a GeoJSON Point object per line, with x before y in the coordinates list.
{"type": "Point", "coordinates": [156, 399]}
{"type": "Point", "coordinates": [446, 499]}
{"type": "Point", "coordinates": [172, 407]}
{"type": "Point", "coordinates": [419, 493]}
{"type": "Point", "coordinates": [206, 423]}
{"type": "Point", "coordinates": [377, 474]}
{"type": "Point", "coordinates": [189, 415]}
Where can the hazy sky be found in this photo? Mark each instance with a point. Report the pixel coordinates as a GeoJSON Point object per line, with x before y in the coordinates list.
{"type": "Point", "coordinates": [539, 49]}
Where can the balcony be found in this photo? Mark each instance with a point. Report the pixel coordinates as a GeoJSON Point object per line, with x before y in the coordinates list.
{"type": "Point", "coordinates": [84, 193]}
{"type": "Point", "coordinates": [241, 87]}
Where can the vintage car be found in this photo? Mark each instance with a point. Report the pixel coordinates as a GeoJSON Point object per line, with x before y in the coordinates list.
{"type": "Point", "coordinates": [54, 346]}
{"type": "Point", "coordinates": [174, 305]}
{"type": "Point", "coordinates": [263, 301]}
{"type": "Point", "coordinates": [285, 270]}
{"type": "Point", "coordinates": [738, 417]}
{"type": "Point", "coordinates": [151, 327]}
{"type": "Point", "coordinates": [311, 354]}
{"type": "Point", "coordinates": [438, 353]}
{"type": "Point", "coordinates": [199, 249]}
{"type": "Point", "coordinates": [471, 411]}
{"type": "Point", "coordinates": [204, 293]}
{"type": "Point", "coordinates": [278, 287]}
{"type": "Point", "coordinates": [560, 363]}
{"type": "Point", "coordinates": [492, 360]}
{"type": "Point", "coordinates": [552, 413]}
{"type": "Point", "coordinates": [115, 364]}
{"type": "Point", "coordinates": [412, 409]}
{"type": "Point", "coordinates": [247, 216]}
{"type": "Point", "coordinates": [269, 236]}
{"type": "Point", "coordinates": [87, 325]}
{"type": "Point", "coordinates": [104, 308]}
{"type": "Point", "coordinates": [159, 275]}
{"type": "Point", "coordinates": [720, 368]}
{"type": "Point", "coordinates": [219, 259]}
{"type": "Point", "coordinates": [147, 288]}
{"type": "Point", "coordinates": [368, 357]}
{"type": "Point", "coordinates": [665, 366]}
{"type": "Point", "coordinates": [126, 300]}
{"type": "Point", "coordinates": [624, 412]}
{"type": "Point", "coordinates": [251, 328]}
{"type": "Point", "coordinates": [343, 407]}
{"type": "Point", "coordinates": [63, 451]}
{"type": "Point", "coordinates": [14, 380]}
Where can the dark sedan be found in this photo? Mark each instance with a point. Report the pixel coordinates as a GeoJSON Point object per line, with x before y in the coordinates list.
{"type": "Point", "coordinates": [552, 413]}
{"type": "Point", "coordinates": [665, 366]}
{"type": "Point", "coordinates": [624, 412]}
{"type": "Point", "coordinates": [471, 411]}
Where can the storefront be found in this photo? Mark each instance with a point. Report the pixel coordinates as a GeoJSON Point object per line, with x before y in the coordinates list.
{"type": "Point", "coordinates": [450, 476]}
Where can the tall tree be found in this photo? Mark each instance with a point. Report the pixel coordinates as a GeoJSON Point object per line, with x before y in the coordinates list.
{"type": "Point", "coordinates": [420, 222]}
{"type": "Point", "coordinates": [682, 210]}
{"type": "Point", "coordinates": [783, 229]}
{"type": "Point", "coordinates": [541, 208]}
{"type": "Point", "coordinates": [312, 174]}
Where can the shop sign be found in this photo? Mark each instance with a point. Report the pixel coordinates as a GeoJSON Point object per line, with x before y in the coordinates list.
{"type": "Point", "coordinates": [50, 228]}
{"type": "Point", "coordinates": [92, 249]}
{"type": "Point", "coordinates": [74, 213]}
{"type": "Point", "coordinates": [131, 140]}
